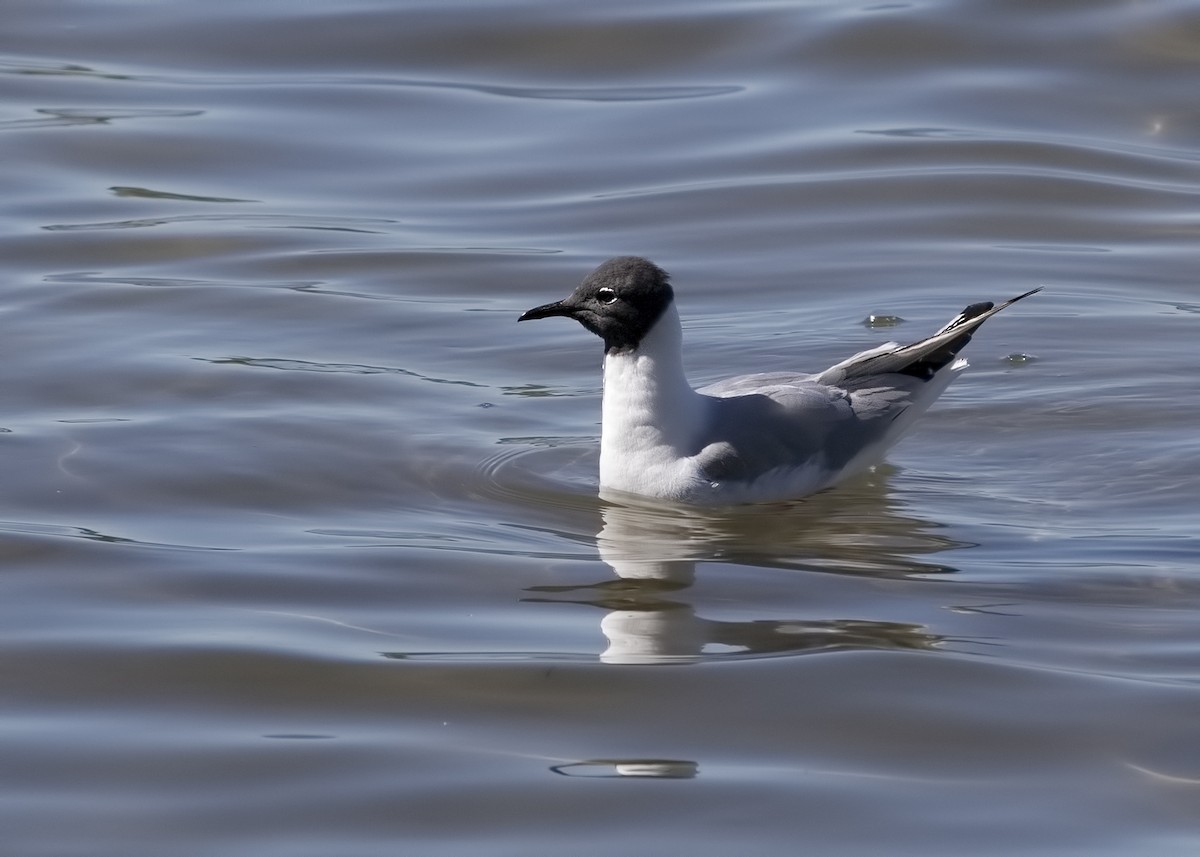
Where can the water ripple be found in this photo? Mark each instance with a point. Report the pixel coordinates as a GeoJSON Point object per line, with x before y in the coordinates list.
{"type": "Point", "coordinates": [148, 193]}
{"type": "Point", "coordinates": [25, 67]}
{"type": "Point", "coordinates": [52, 117]}
{"type": "Point", "coordinates": [339, 368]}
{"type": "Point", "coordinates": [263, 221]}
{"type": "Point", "coordinates": [540, 93]}
{"type": "Point", "coordinates": [575, 93]}
{"type": "Point", "coordinates": [89, 534]}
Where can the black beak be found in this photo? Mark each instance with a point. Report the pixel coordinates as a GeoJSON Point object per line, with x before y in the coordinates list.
{"type": "Point", "coordinates": [547, 310]}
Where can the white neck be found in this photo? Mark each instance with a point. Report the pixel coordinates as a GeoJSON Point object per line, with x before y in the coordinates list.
{"type": "Point", "coordinates": [650, 412]}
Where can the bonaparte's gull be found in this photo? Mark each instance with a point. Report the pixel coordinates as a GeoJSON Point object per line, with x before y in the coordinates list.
{"type": "Point", "coordinates": [754, 438]}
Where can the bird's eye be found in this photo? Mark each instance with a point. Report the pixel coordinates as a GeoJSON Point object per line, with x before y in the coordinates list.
{"type": "Point", "coordinates": [606, 295]}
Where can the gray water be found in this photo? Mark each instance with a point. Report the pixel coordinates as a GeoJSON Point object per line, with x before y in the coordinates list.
{"type": "Point", "coordinates": [302, 550]}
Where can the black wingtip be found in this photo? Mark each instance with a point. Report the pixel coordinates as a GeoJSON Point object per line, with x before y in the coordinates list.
{"type": "Point", "coordinates": [932, 363]}
{"type": "Point", "coordinates": [1022, 297]}
{"type": "Point", "coordinates": [975, 310]}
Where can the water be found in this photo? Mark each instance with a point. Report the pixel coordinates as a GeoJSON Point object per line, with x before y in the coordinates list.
{"type": "Point", "coordinates": [302, 549]}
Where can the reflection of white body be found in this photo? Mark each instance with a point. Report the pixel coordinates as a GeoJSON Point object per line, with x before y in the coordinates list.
{"type": "Point", "coordinates": [651, 543]}
{"type": "Point", "coordinates": [656, 548]}
{"type": "Point", "coordinates": [652, 636]}
{"type": "Point", "coordinates": [642, 545]}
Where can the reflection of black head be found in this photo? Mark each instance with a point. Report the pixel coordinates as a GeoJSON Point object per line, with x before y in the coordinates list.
{"type": "Point", "coordinates": [619, 302]}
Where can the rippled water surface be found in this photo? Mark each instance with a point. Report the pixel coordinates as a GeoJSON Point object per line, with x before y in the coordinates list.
{"type": "Point", "coordinates": [301, 546]}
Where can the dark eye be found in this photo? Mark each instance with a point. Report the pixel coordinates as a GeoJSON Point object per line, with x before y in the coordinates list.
{"type": "Point", "coordinates": [606, 295]}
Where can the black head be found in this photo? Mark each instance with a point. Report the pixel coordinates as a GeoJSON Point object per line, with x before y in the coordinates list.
{"type": "Point", "coordinates": [619, 302]}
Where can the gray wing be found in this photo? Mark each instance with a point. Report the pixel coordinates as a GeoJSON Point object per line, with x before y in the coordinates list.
{"type": "Point", "coordinates": [759, 423]}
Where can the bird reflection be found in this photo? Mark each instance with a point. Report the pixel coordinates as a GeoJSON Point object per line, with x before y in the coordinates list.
{"type": "Point", "coordinates": [654, 550]}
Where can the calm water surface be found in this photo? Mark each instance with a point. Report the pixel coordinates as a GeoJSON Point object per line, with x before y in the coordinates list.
{"type": "Point", "coordinates": [302, 553]}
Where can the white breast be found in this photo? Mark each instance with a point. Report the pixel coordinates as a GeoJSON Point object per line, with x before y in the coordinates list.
{"type": "Point", "coordinates": [650, 418]}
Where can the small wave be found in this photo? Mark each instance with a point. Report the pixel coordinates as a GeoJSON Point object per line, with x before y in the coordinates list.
{"type": "Point", "coordinates": [340, 368]}
{"type": "Point", "coordinates": [52, 117]}
{"type": "Point", "coordinates": [374, 226]}
{"type": "Point", "coordinates": [149, 193]}
{"type": "Point", "coordinates": [89, 534]}
{"type": "Point", "coordinates": [552, 472]}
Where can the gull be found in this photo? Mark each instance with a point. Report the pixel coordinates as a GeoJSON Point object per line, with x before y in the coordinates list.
{"type": "Point", "coordinates": [755, 438]}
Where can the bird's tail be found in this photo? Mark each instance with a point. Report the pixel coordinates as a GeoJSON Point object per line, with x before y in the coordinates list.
{"type": "Point", "coordinates": [922, 359]}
